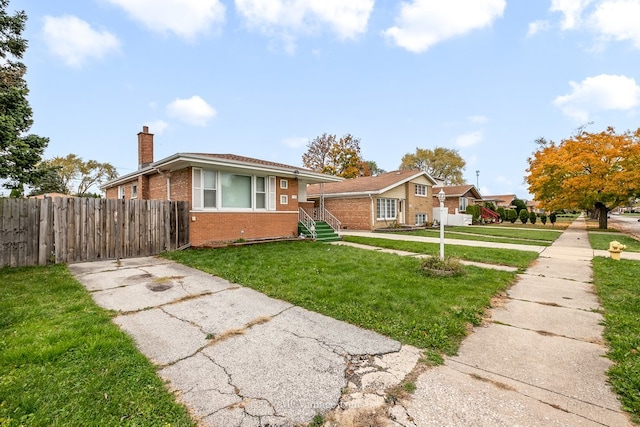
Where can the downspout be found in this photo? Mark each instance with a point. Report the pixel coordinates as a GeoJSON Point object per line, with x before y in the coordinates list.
{"type": "Point", "coordinates": [373, 220]}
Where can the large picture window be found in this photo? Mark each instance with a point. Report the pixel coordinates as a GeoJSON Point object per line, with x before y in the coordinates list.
{"type": "Point", "coordinates": [386, 209]}
{"type": "Point", "coordinates": [236, 191]}
{"type": "Point", "coordinates": [225, 190]}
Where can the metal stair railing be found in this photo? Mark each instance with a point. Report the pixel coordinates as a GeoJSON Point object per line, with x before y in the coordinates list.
{"type": "Point", "coordinates": [305, 219]}
{"type": "Point", "coordinates": [319, 214]}
{"type": "Point", "coordinates": [333, 222]}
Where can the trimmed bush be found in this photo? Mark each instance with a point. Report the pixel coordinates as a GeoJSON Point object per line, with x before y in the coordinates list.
{"type": "Point", "coordinates": [543, 218]}
{"type": "Point", "coordinates": [552, 218]}
{"type": "Point", "coordinates": [532, 217]}
{"type": "Point", "coordinates": [524, 216]}
{"type": "Point", "coordinates": [502, 212]}
{"type": "Point", "coordinates": [474, 211]}
{"type": "Point", "coordinates": [512, 215]}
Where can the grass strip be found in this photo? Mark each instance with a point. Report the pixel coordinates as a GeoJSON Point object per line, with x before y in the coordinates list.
{"type": "Point", "coordinates": [618, 287]}
{"type": "Point", "coordinates": [509, 257]}
{"type": "Point", "coordinates": [386, 293]}
{"type": "Point", "coordinates": [63, 362]}
{"type": "Point", "coordinates": [475, 237]}
{"type": "Point", "coordinates": [600, 241]}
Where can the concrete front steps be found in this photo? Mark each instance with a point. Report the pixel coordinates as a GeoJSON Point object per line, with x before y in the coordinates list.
{"type": "Point", "coordinates": [324, 233]}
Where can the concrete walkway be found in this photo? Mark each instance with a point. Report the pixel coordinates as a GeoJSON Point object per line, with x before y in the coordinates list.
{"type": "Point", "coordinates": [540, 361]}
{"type": "Point", "coordinates": [635, 256]}
{"type": "Point", "coordinates": [460, 242]}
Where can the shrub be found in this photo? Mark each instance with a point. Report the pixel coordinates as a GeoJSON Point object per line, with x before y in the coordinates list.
{"type": "Point", "coordinates": [524, 216]}
{"type": "Point", "coordinates": [532, 217]}
{"type": "Point", "coordinates": [512, 215]}
{"type": "Point", "coordinates": [474, 211]}
{"type": "Point", "coordinates": [502, 212]}
{"type": "Point", "coordinates": [543, 218]}
{"type": "Point", "coordinates": [434, 266]}
{"type": "Point", "coordinates": [552, 218]}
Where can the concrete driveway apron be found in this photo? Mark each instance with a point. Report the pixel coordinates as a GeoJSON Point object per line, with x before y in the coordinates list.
{"type": "Point", "coordinates": [236, 357]}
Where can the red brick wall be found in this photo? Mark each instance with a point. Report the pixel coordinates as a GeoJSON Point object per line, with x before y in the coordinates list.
{"type": "Point", "coordinates": [418, 204]}
{"type": "Point", "coordinates": [354, 214]}
{"type": "Point", "coordinates": [216, 227]}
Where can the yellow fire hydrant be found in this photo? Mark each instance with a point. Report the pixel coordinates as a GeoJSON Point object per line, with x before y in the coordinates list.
{"type": "Point", "coordinates": [615, 248]}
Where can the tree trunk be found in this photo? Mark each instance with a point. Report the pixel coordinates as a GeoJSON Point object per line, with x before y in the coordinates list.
{"type": "Point", "coordinates": [602, 215]}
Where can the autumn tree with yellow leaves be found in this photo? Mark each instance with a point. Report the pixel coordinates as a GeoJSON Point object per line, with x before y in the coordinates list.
{"type": "Point", "coordinates": [335, 156]}
{"type": "Point", "coordinates": [589, 171]}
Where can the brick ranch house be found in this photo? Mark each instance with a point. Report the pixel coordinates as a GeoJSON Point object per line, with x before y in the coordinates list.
{"type": "Point", "coordinates": [230, 197]}
{"type": "Point", "coordinates": [401, 197]}
{"type": "Point", "coordinates": [457, 197]}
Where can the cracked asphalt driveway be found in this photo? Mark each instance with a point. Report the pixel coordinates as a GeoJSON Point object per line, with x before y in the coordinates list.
{"type": "Point", "coordinates": [234, 356]}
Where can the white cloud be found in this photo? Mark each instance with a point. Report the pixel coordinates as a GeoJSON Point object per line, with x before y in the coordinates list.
{"type": "Point", "coordinates": [469, 139]}
{"type": "Point", "coordinates": [537, 26]}
{"type": "Point", "coordinates": [424, 23]}
{"type": "Point", "coordinates": [194, 110]}
{"type": "Point", "coordinates": [295, 142]}
{"type": "Point", "coordinates": [572, 11]}
{"type": "Point", "coordinates": [479, 120]}
{"type": "Point", "coordinates": [287, 19]}
{"type": "Point", "coordinates": [618, 20]}
{"type": "Point", "coordinates": [599, 93]}
{"type": "Point", "coordinates": [75, 42]}
{"type": "Point", "coordinates": [184, 18]}
{"type": "Point", "coordinates": [157, 127]}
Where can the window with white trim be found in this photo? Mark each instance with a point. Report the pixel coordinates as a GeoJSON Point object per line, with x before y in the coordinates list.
{"type": "Point", "coordinates": [421, 218]}
{"type": "Point", "coordinates": [232, 191]}
{"type": "Point", "coordinates": [284, 199]}
{"type": "Point", "coordinates": [121, 192]}
{"type": "Point", "coordinates": [462, 204]}
{"type": "Point", "coordinates": [421, 190]}
{"type": "Point", "coordinates": [134, 190]}
{"type": "Point", "coordinates": [284, 184]}
{"type": "Point", "coordinates": [386, 209]}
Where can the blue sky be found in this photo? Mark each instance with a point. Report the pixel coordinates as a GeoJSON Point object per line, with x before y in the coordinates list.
{"type": "Point", "coordinates": [262, 78]}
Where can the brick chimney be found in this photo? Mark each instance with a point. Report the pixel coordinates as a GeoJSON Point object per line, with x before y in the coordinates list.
{"type": "Point", "coordinates": [145, 148]}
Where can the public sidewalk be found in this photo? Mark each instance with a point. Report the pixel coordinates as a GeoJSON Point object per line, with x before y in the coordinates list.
{"type": "Point", "coordinates": [635, 256]}
{"type": "Point", "coordinates": [540, 361]}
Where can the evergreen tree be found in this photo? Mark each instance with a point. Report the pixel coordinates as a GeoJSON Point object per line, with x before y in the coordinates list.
{"type": "Point", "coordinates": [20, 152]}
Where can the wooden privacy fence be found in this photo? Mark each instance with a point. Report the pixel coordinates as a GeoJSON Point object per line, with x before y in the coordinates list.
{"type": "Point", "coordinates": [67, 230]}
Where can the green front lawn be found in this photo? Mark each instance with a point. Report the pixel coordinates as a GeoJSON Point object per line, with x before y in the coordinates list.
{"type": "Point", "coordinates": [64, 363]}
{"type": "Point", "coordinates": [601, 241]}
{"type": "Point", "coordinates": [513, 258]}
{"type": "Point", "coordinates": [385, 293]}
{"type": "Point", "coordinates": [618, 286]}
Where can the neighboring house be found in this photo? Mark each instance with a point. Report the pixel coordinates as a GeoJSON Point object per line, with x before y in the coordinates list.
{"type": "Point", "coordinates": [365, 203]}
{"type": "Point", "coordinates": [504, 200]}
{"type": "Point", "coordinates": [230, 197]}
{"type": "Point", "coordinates": [534, 206]}
{"type": "Point", "coordinates": [457, 197]}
